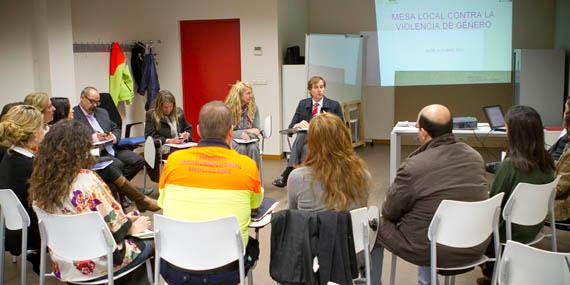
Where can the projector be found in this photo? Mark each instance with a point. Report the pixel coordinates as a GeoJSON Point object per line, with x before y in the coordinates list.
{"type": "Point", "coordinates": [464, 123]}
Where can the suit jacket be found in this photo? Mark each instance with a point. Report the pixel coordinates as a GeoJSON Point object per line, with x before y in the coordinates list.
{"type": "Point", "coordinates": [103, 119]}
{"type": "Point", "coordinates": [163, 132]}
{"type": "Point", "coordinates": [305, 109]}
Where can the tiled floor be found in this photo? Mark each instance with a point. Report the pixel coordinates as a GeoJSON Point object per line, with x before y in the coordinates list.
{"type": "Point", "coordinates": [377, 158]}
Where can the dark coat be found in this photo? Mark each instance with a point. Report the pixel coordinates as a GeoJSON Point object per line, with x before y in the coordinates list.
{"type": "Point", "coordinates": [103, 119]}
{"type": "Point", "coordinates": [15, 170]}
{"type": "Point", "coordinates": [305, 109]}
{"type": "Point", "coordinates": [299, 236]}
{"type": "Point", "coordinates": [163, 132]}
{"type": "Point", "coordinates": [440, 169]}
{"type": "Point", "coordinates": [557, 148]}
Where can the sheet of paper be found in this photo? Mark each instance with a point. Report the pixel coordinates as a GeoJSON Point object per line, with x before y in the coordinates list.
{"type": "Point", "coordinates": [182, 145]}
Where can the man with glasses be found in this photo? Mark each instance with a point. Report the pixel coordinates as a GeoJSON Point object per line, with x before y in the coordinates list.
{"type": "Point", "coordinates": [106, 133]}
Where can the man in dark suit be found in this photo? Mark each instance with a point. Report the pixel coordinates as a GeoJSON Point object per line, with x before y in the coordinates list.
{"type": "Point", "coordinates": [105, 131]}
{"type": "Point", "coordinates": [307, 109]}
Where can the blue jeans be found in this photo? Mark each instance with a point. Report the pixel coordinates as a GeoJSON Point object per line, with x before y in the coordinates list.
{"type": "Point", "coordinates": [376, 261]}
{"type": "Point", "coordinates": [176, 275]}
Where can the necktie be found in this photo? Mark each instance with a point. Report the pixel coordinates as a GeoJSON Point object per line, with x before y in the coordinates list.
{"type": "Point", "coordinates": [315, 110]}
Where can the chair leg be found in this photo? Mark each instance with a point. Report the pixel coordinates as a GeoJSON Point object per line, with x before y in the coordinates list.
{"type": "Point", "coordinates": [250, 277]}
{"type": "Point", "coordinates": [446, 280]}
{"type": "Point", "coordinates": [24, 255]}
{"type": "Point", "coordinates": [393, 269]}
{"type": "Point", "coordinates": [2, 248]}
{"type": "Point", "coordinates": [149, 272]}
{"type": "Point", "coordinates": [453, 280]}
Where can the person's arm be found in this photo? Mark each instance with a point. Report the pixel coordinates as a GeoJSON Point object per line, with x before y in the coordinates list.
{"type": "Point", "coordinates": [298, 115]}
{"type": "Point", "coordinates": [293, 189]}
{"type": "Point", "coordinates": [113, 128]}
{"type": "Point", "coordinates": [400, 197]}
{"type": "Point", "coordinates": [185, 126]}
{"type": "Point", "coordinates": [563, 170]}
{"type": "Point", "coordinates": [504, 181]}
{"type": "Point", "coordinates": [338, 111]}
{"type": "Point", "coordinates": [150, 128]}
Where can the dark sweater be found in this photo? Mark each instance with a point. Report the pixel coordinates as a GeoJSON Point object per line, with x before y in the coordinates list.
{"type": "Point", "coordinates": [15, 170]}
{"type": "Point", "coordinates": [505, 181]}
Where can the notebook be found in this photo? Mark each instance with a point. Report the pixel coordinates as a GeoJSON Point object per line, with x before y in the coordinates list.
{"type": "Point", "coordinates": [495, 117]}
{"type": "Point", "coordinates": [267, 207]}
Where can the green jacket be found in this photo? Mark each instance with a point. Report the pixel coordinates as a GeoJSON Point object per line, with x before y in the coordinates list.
{"type": "Point", "coordinates": [506, 180]}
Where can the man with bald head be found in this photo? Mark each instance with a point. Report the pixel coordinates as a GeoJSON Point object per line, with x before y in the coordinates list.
{"type": "Point", "coordinates": [441, 168]}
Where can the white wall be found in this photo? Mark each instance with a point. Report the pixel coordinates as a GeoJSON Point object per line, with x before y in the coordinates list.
{"type": "Point", "coordinates": [16, 56]}
{"type": "Point", "coordinates": [130, 20]}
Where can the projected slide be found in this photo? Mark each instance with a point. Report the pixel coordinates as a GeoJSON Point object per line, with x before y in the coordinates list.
{"type": "Point", "coordinates": [440, 42]}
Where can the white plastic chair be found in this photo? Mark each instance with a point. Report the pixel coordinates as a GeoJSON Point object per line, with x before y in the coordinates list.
{"type": "Point", "coordinates": [88, 229]}
{"type": "Point", "coordinates": [528, 205]}
{"type": "Point", "coordinates": [149, 156]}
{"type": "Point", "coordinates": [198, 246]}
{"type": "Point", "coordinates": [364, 230]}
{"type": "Point", "coordinates": [462, 225]}
{"type": "Point", "coordinates": [13, 216]}
{"type": "Point", "coordinates": [525, 265]}
{"type": "Point", "coordinates": [265, 134]}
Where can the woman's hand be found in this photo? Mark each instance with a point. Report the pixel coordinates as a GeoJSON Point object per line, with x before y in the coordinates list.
{"type": "Point", "coordinates": [174, 141]}
{"type": "Point", "coordinates": [139, 225]}
{"type": "Point", "coordinates": [302, 125]}
{"type": "Point", "coordinates": [185, 136]}
{"type": "Point", "coordinates": [254, 131]}
{"type": "Point", "coordinates": [133, 216]}
{"type": "Point", "coordinates": [244, 136]}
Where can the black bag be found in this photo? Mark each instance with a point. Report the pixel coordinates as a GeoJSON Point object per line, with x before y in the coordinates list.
{"type": "Point", "coordinates": [293, 56]}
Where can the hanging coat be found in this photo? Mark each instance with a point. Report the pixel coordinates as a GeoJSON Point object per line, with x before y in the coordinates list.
{"type": "Point", "coordinates": [120, 80]}
{"type": "Point", "coordinates": [137, 55]}
{"type": "Point", "coordinates": [149, 80]}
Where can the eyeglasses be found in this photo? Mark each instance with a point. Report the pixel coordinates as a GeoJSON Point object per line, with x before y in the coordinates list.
{"type": "Point", "coordinates": [93, 102]}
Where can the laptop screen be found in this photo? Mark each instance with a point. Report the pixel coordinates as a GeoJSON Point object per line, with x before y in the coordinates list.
{"type": "Point", "coordinates": [495, 116]}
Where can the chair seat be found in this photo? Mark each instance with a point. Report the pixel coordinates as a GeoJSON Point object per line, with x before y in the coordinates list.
{"type": "Point", "coordinates": [115, 277]}
{"type": "Point", "coordinates": [481, 260]}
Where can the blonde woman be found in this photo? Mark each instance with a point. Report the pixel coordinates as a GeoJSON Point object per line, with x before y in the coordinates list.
{"type": "Point", "coordinates": [333, 177]}
{"type": "Point", "coordinates": [166, 123]}
{"type": "Point", "coordinates": [21, 131]}
{"type": "Point", "coordinates": [245, 119]}
{"type": "Point", "coordinates": [41, 101]}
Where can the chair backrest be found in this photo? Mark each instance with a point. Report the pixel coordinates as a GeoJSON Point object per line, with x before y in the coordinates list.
{"type": "Point", "coordinates": [464, 224]}
{"type": "Point", "coordinates": [521, 264]}
{"type": "Point", "coordinates": [108, 104]}
{"type": "Point", "coordinates": [529, 203]}
{"type": "Point", "coordinates": [75, 237]}
{"type": "Point", "coordinates": [15, 215]}
{"type": "Point", "coordinates": [359, 217]}
{"type": "Point", "coordinates": [267, 127]}
{"type": "Point", "coordinates": [149, 151]}
{"type": "Point", "coordinates": [198, 245]}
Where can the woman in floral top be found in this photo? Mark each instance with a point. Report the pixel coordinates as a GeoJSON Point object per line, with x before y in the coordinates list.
{"type": "Point", "coordinates": [245, 115]}
{"type": "Point", "coordinates": [62, 165]}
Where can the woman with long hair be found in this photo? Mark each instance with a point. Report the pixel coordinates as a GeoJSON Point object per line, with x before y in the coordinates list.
{"type": "Point", "coordinates": [21, 131]}
{"type": "Point", "coordinates": [165, 122]}
{"type": "Point", "coordinates": [62, 109]}
{"type": "Point", "coordinates": [245, 116]}
{"type": "Point", "coordinates": [333, 176]}
{"type": "Point", "coordinates": [62, 183]}
{"type": "Point", "coordinates": [41, 101]}
{"type": "Point", "coordinates": [112, 175]}
{"type": "Point", "coordinates": [526, 161]}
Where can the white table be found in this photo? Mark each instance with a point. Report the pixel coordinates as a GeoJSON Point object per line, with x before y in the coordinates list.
{"type": "Point", "coordinates": [403, 129]}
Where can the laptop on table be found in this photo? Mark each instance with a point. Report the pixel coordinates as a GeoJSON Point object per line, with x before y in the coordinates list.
{"type": "Point", "coordinates": [495, 117]}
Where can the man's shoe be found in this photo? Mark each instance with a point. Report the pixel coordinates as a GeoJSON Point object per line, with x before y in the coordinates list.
{"type": "Point", "coordinates": [280, 182]}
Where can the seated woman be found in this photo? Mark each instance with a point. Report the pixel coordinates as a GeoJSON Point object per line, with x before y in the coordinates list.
{"type": "Point", "coordinates": [75, 189]}
{"type": "Point", "coordinates": [111, 174]}
{"type": "Point", "coordinates": [62, 109]}
{"type": "Point", "coordinates": [245, 114]}
{"type": "Point", "coordinates": [41, 101]}
{"type": "Point", "coordinates": [166, 123]}
{"type": "Point", "coordinates": [526, 161]}
{"type": "Point", "coordinates": [562, 200]}
{"type": "Point", "coordinates": [332, 177]}
{"type": "Point", "coordinates": [21, 131]}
